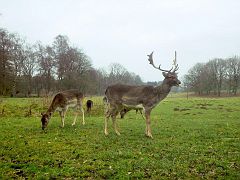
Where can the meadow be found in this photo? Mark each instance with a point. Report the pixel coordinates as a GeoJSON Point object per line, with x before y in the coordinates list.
{"type": "Point", "coordinates": [193, 138]}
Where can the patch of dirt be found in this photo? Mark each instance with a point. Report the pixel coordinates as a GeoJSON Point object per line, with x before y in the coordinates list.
{"type": "Point", "coordinates": [183, 109]}
{"type": "Point", "coordinates": [229, 110]}
{"type": "Point", "coordinates": [223, 95]}
{"type": "Point", "coordinates": [205, 104]}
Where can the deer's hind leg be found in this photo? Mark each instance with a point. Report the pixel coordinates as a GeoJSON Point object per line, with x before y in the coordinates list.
{"type": "Point", "coordinates": [109, 111]}
{"type": "Point", "coordinates": [75, 116]}
{"type": "Point", "coordinates": [107, 115]}
{"type": "Point", "coordinates": [80, 105]}
{"type": "Point", "coordinates": [83, 119]}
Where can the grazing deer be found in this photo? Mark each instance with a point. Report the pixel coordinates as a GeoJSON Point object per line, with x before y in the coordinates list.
{"type": "Point", "coordinates": [89, 105]}
{"type": "Point", "coordinates": [143, 97]}
{"type": "Point", "coordinates": [124, 111]}
{"type": "Point", "coordinates": [61, 102]}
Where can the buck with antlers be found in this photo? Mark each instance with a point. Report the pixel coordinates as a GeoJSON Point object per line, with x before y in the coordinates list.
{"type": "Point", "coordinates": [61, 102]}
{"type": "Point", "coordinates": [121, 96]}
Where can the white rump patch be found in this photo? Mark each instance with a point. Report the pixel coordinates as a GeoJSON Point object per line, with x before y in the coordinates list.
{"type": "Point", "coordinates": [59, 109]}
{"type": "Point", "coordinates": [70, 104]}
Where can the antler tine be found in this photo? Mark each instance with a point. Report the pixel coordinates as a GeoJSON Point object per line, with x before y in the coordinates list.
{"type": "Point", "coordinates": [175, 63]}
{"type": "Point", "coordinates": [150, 59]}
{"type": "Point", "coordinates": [176, 68]}
{"type": "Point", "coordinates": [175, 59]}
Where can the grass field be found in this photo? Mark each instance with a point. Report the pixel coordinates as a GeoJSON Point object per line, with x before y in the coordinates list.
{"type": "Point", "coordinates": [193, 139]}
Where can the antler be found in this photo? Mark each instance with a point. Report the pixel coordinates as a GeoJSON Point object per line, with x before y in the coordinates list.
{"type": "Point", "coordinates": [175, 63]}
{"type": "Point", "coordinates": [150, 59]}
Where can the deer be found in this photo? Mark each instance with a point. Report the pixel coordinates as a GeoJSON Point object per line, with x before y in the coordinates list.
{"type": "Point", "coordinates": [89, 105]}
{"type": "Point", "coordinates": [120, 96]}
{"type": "Point", "coordinates": [61, 102]}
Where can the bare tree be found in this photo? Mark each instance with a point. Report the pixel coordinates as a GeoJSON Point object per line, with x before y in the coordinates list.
{"type": "Point", "coordinates": [193, 79]}
{"type": "Point", "coordinates": [61, 47]}
{"type": "Point", "coordinates": [46, 65]}
{"type": "Point", "coordinates": [30, 68]}
{"type": "Point", "coordinates": [217, 67]}
{"type": "Point", "coordinates": [233, 74]}
{"type": "Point", "coordinates": [117, 72]}
{"type": "Point", "coordinates": [29, 65]}
{"type": "Point", "coordinates": [6, 63]}
{"type": "Point", "coordinates": [18, 55]}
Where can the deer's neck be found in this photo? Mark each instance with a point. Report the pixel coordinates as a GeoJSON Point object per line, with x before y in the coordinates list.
{"type": "Point", "coordinates": [163, 90]}
{"type": "Point", "coordinates": [51, 109]}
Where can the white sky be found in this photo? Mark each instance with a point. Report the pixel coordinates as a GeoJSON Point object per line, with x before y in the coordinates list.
{"type": "Point", "coordinates": [125, 31]}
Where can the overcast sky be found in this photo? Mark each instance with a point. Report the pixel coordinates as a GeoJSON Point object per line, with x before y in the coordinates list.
{"type": "Point", "coordinates": [125, 31]}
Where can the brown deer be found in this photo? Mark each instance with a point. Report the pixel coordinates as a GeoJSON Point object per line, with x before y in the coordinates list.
{"type": "Point", "coordinates": [119, 96]}
{"type": "Point", "coordinates": [61, 102]}
{"type": "Point", "coordinates": [89, 105]}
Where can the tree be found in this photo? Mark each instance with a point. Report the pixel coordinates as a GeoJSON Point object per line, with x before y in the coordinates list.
{"type": "Point", "coordinates": [61, 47]}
{"type": "Point", "coordinates": [46, 66]}
{"type": "Point", "coordinates": [194, 80]}
{"type": "Point", "coordinates": [217, 67]}
{"type": "Point", "coordinates": [233, 74]}
{"type": "Point", "coordinates": [29, 66]}
{"type": "Point", "coordinates": [18, 55]}
{"type": "Point", "coordinates": [34, 68]}
{"type": "Point", "coordinates": [6, 62]}
{"type": "Point", "coordinates": [214, 76]}
{"type": "Point", "coordinates": [119, 74]}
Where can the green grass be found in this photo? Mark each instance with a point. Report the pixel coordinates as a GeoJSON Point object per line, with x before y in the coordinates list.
{"type": "Point", "coordinates": [193, 139]}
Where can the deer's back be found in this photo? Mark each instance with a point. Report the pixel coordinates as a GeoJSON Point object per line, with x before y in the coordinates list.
{"type": "Point", "coordinates": [67, 98]}
{"type": "Point", "coordinates": [126, 94]}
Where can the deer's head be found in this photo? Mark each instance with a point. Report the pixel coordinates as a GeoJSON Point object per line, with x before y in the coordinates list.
{"type": "Point", "coordinates": [171, 77]}
{"type": "Point", "coordinates": [123, 112]}
{"type": "Point", "coordinates": [45, 120]}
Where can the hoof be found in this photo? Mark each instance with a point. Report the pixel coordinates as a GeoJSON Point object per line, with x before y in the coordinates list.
{"type": "Point", "coordinates": [106, 133]}
{"type": "Point", "coordinates": [149, 136]}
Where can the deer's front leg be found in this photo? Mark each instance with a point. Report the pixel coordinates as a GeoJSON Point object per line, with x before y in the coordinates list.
{"type": "Point", "coordinates": [62, 115]}
{"type": "Point", "coordinates": [148, 122]}
{"type": "Point", "coordinates": [115, 124]}
{"type": "Point", "coordinates": [107, 115]}
{"type": "Point", "coordinates": [82, 110]}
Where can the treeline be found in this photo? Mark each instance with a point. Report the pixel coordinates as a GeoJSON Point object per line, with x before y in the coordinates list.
{"type": "Point", "coordinates": [37, 69]}
{"type": "Point", "coordinates": [214, 77]}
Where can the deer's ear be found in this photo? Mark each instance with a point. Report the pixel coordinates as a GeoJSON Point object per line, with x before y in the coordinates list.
{"type": "Point", "coordinates": [164, 74]}
{"type": "Point", "coordinates": [50, 113]}
{"type": "Point", "coordinates": [42, 114]}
